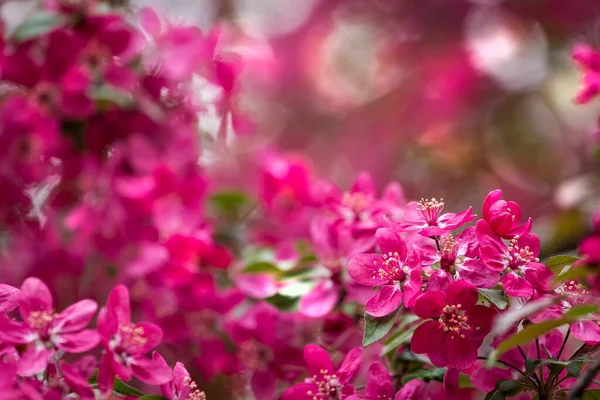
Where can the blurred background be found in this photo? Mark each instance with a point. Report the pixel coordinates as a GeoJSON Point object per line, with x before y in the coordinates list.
{"type": "Point", "coordinates": [451, 98]}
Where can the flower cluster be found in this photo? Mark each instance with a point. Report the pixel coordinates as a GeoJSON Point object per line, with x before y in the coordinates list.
{"type": "Point", "coordinates": [35, 346]}
{"type": "Point", "coordinates": [291, 288]}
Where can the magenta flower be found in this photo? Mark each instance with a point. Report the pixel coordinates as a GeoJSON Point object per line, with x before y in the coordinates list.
{"type": "Point", "coordinates": [586, 328]}
{"type": "Point", "coordinates": [181, 387]}
{"type": "Point", "coordinates": [44, 330]}
{"type": "Point", "coordinates": [588, 59]}
{"type": "Point", "coordinates": [524, 272]}
{"type": "Point", "coordinates": [455, 328]}
{"type": "Point", "coordinates": [126, 344]}
{"type": "Point", "coordinates": [504, 217]}
{"type": "Point", "coordinates": [76, 376]}
{"type": "Point", "coordinates": [457, 258]}
{"type": "Point", "coordinates": [426, 218]}
{"type": "Point", "coordinates": [325, 383]}
{"type": "Point", "coordinates": [394, 270]}
{"type": "Point", "coordinates": [379, 384]}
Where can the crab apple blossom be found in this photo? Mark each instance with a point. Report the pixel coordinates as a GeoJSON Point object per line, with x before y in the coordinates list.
{"type": "Point", "coordinates": [397, 272]}
{"type": "Point", "coordinates": [588, 59]}
{"type": "Point", "coordinates": [126, 344]}
{"type": "Point", "coordinates": [503, 217]}
{"type": "Point", "coordinates": [426, 218]}
{"type": "Point", "coordinates": [44, 330]}
{"type": "Point", "coordinates": [455, 326]}
{"type": "Point", "coordinates": [325, 382]}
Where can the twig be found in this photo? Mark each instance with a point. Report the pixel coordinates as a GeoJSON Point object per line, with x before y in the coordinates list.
{"type": "Point", "coordinates": [512, 367]}
{"type": "Point", "coordinates": [563, 343]}
{"type": "Point", "coordinates": [584, 381]}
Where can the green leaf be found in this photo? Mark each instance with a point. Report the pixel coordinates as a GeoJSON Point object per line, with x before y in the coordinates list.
{"type": "Point", "coordinates": [496, 297]}
{"type": "Point", "coordinates": [556, 366]}
{"type": "Point", "coordinates": [510, 388]}
{"type": "Point", "coordinates": [593, 394]}
{"type": "Point", "coordinates": [528, 334]}
{"type": "Point", "coordinates": [531, 365]}
{"type": "Point", "coordinates": [402, 335]}
{"type": "Point", "coordinates": [574, 274]}
{"type": "Point", "coordinates": [153, 397]}
{"type": "Point", "coordinates": [38, 24]}
{"type": "Point", "coordinates": [581, 311]}
{"type": "Point", "coordinates": [297, 289]}
{"type": "Point", "coordinates": [495, 394]}
{"type": "Point", "coordinates": [376, 328]}
{"type": "Point", "coordinates": [575, 366]}
{"type": "Point", "coordinates": [434, 374]}
{"type": "Point", "coordinates": [230, 204]}
{"type": "Point", "coordinates": [261, 267]}
{"type": "Point", "coordinates": [123, 388]}
{"type": "Point", "coordinates": [464, 381]}
{"type": "Point", "coordinates": [109, 94]}
{"type": "Point", "coordinates": [284, 303]}
{"type": "Point", "coordinates": [557, 263]}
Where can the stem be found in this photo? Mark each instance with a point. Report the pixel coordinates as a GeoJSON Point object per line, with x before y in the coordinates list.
{"type": "Point", "coordinates": [584, 381]}
{"type": "Point", "coordinates": [437, 242]}
{"type": "Point", "coordinates": [563, 343]}
{"type": "Point", "coordinates": [514, 368]}
{"type": "Point", "coordinates": [522, 353]}
{"type": "Point", "coordinates": [537, 346]}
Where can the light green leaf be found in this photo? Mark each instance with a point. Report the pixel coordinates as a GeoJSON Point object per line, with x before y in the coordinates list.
{"type": "Point", "coordinates": [574, 274]}
{"type": "Point", "coordinates": [528, 334]}
{"type": "Point", "coordinates": [582, 310]}
{"type": "Point", "coordinates": [123, 388]}
{"type": "Point", "coordinates": [557, 263]}
{"type": "Point", "coordinates": [435, 374]}
{"type": "Point", "coordinates": [593, 394]}
{"type": "Point", "coordinates": [297, 289]}
{"type": "Point", "coordinates": [496, 297]}
{"type": "Point", "coordinates": [261, 267]}
{"type": "Point", "coordinates": [402, 335]}
{"type": "Point", "coordinates": [495, 394]}
{"type": "Point", "coordinates": [38, 24]}
{"type": "Point", "coordinates": [531, 365]}
{"type": "Point", "coordinates": [284, 303]}
{"type": "Point", "coordinates": [376, 328]}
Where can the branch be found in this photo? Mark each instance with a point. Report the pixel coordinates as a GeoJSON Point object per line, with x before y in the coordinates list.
{"type": "Point", "coordinates": [584, 381]}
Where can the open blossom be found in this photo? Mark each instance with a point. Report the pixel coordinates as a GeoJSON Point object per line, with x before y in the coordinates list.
{"type": "Point", "coordinates": [182, 387]}
{"type": "Point", "coordinates": [9, 298]}
{"type": "Point", "coordinates": [455, 328]}
{"type": "Point", "coordinates": [397, 272]}
{"type": "Point", "coordinates": [426, 218]}
{"type": "Point", "coordinates": [456, 258]}
{"type": "Point", "coordinates": [523, 271]}
{"type": "Point", "coordinates": [44, 330]}
{"type": "Point", "coordinates": [504, 217]}
{"type": "Point", "coordinates": [324, 381]}
{"type": "Point", "coordinates": [126, 344]}
{"type": "Point", "coordinates": [379, 384]}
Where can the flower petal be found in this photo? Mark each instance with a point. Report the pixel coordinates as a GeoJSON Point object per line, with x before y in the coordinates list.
{"type": "Point", "coordinates": [430, 304]}
{"type": "Point", "coordinates": [15, 332]}
{"type": "Point", "coordinates": [350, 365]}
{"type": "Point", "coordinates": [154, 371]}
{"type": "Point", "coordinates": [301, 391]}
{"type": "Point", "coordinates": [427, 337]}
{"type": "Point", "coordinates": [317, 360]}
{"type": "Point", "coordinates": [118, 304]}
{"type": "Point", "coordinates": [33, 361]}
{"type": "Point", "coordinates": [379, 382]}
{"type": "Point", "coordinates": [9, 298]}
{"type": "Point", "coordinates": [463, 293]}
{"type": "Point", "coordinates": [539, 276]}
{"type": "Point", "coordinates": [34, 296]}
{"type": "Point", "coordinates": [319, 301]}
{"type": "Point", "coordinates": [390, 242]}
{"type": "Point", "coordinates": [263, 385]}
{"type": "Point", "coordinates": [586, 331]}
{"type": "Point", "coordinates": [462, 353]}
{"type": "Point", "coordinates": [363, 269]}
{"type": "Point", "coordinates": [385, 302]}
{"type": "Point", "coordinates": [78, 342]}
{"type": "Point", "coordinates": [75, 317]}
{"type": "Point", "coordinates": [517, 286]}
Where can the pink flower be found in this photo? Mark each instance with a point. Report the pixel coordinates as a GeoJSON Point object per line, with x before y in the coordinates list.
{"type": "Point", "coordinates": [379, 384]}
{"type": "Point", "coordinates": [524, 272]}
{"type": "Point", "coordinates": [76, 376]}
{"type": "Point", "coordinates": [181, 387]}
{"type": "Point", "coordinates": [324, 382]}
{"type": "Point", "coordinates": [589, 61]}
{"type": "Point", "coordinates": [43, 330]}
{"type": "Point", "coordinates": [426, 218]}
{"type": "Point", "coordinates": [394, 270]}
{"type": "Point", "coordinates": [503, 217]}
{"type": "Point", "coordinates": [457, 257]}
{"type": "Point", "coordinates": [126, 344]}
{"type": "Point", "coordinates": [586, 328]}
{"type": "Point", "coordinates": [455, 328]}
